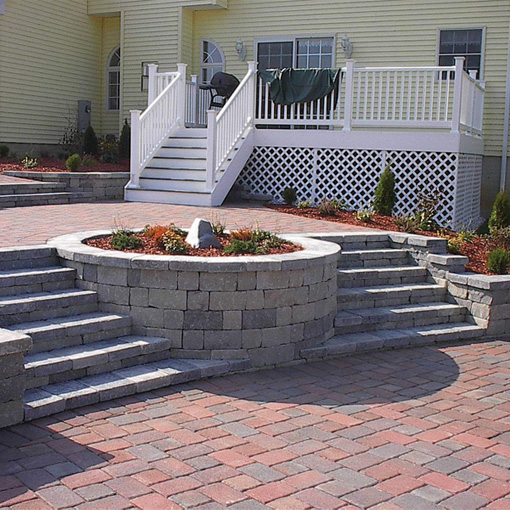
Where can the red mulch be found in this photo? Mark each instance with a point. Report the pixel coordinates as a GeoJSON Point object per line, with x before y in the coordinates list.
{"type": "Point", "coordinates": [149, 247]}
{"type": "Point", "coordinates": [476, 250]}
{"type": "Point", "coordinates": [59, 165]}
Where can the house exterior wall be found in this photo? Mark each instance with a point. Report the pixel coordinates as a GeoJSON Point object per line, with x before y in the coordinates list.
{"type": "Point", "coordinates": [384, 33]}
{"type": "Point", "coordinates": [49, 59]}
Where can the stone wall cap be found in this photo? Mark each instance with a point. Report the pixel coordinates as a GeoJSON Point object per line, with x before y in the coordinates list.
{"type": "Point", "coordinates": [13, 342]}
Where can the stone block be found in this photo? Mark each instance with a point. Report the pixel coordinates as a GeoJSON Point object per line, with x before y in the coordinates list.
{"type": "Point", "coordinates": [313, 275]}
{"type": "Point", "coordinates": [314, 328]}
{"type": "Point", "coordinates": [251, 338]}
{"type": "Point", "coordinates": [254, 300]}
{"type": "Point", "coordinates": [139, 297]}
{"type": "Point", "coordinates": [187, 280]}
{"type": "Point", "coordinates": [112, 275]}
{"type": "Point", "coordinates": [499, 312]}
{"type": "Point", "coordinates": [148, 317]}
{"type": "Point", "coordinates": [232, 319]}
{"type": "Point", "coordinates": [224, 282]}
{"type": "Point", "coordinates": [227, 300]}
{"type": "Point", "coordinates": [198, 300]}
{"type": "Point", "coordinates": [218, 340]}
{"type": "Point", "coordinates": [12, 388]}
{"type": "Point", "coordinates": [174, 319]}
{"type": "Point", "coordinates": [272, 337]}
{"type": "Point", "coordinates": [113, 294]}
{"type": "Point", "coordinates": [303, 313]}
{"type": "Point", "coordinates": [247, 281]}
{"type": "Point", "coordinates": [158, 279]}
{"type": "Point", "coordinates": [203, 320]}
{"type": "Point", "coordinates": [11, 413]}
{"type": "Point", "coordinates": [267, 356]}
{"type": "Point", "coordinates": [481, 311]}
{"type": "Point", "coordinates": [229, 354]}
{"type": "Point", "coordinates": [193, 340]}
{"type": "Point", "coordinates": [267, 280]}
{"type": "Point", "coordinates": [163, 298]}
{"type": "Point", "coordinates": [285, 297]}
{"type": "Point", "coordinates": [284, 316]}
{"type": "Point", "coordinates": [254, 319]}
{"type": "Point", "coordinates": [11, 365]}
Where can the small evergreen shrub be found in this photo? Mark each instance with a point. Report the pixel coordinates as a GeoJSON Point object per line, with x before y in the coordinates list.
{"type": "Point", "coordinates": [289, 196]}
{"type": "Point", "coordinates": [500, 216]}
{"type": "Point", "coordinates": [500, 238]}
{"type": "Point", "coordinates": [90, 142]}
{"type": "Point", "coordinates": [125, 141]}
{"type": "Point", "coordinates": [109, 148]}
{"type": "Point", "coordinates": [73, 163]}
{"type": "Point", "coordinates": [29, 162]}
{"type": "Point", "coordinates": [499, 261]}
{"type": "Point", "coordinates": [385, 196]}
{"type": "Point", "coordinates": [125, 240]}
{"type": "Point", "coordinates": [238, 247]}
{"type": "Point", "coordinates": [4, 151]}
{"type": "Point", "coordinates": [89, 161]}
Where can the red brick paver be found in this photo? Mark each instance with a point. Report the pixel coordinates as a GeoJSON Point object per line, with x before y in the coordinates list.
{"type": "Point", "coordinates": [367, 431]}
{"type": "Point", "coordinates": [35, 225]}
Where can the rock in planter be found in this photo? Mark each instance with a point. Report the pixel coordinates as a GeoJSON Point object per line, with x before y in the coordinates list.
{"type": "Point", "coordinates": [201, 235]}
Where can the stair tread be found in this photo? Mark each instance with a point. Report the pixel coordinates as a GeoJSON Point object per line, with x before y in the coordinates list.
{"type": "Point", "coordinates": [375, 251]}
{"type": "Point", "coordinates": [194, 192]}
{"type": "Point", "coordinates": [382, 269]}
{"type": "Point", "coordinates": [118, 348]}
{"type": "Point", "coordinates": [66, 322]}
{"type": "Point", "coordinates": [16, 273]}
{"type": "Point", "coordinates": [88, 390]}
{"type": "Point", "coordinates": [398, 287]}
{"type": "Point", "coordinates": [41, 296]}
{"type": "Point", "coordinates": [178, 179]}
{"type": "Point", "coordinates": [415, 308]}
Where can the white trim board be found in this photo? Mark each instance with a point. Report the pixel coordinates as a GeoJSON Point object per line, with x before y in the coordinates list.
{"type": "Point", "coordinates": [370, 140]}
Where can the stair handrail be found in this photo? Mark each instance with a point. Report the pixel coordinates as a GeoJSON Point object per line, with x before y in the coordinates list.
{"type": "Point", "coordinates": [151, 128]}
{"type": "Point", "coordinates": [226, 128]}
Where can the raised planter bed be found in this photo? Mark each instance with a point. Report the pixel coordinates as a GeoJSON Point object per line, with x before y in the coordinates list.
{"type": "Point", "coordinates": [266, 308]}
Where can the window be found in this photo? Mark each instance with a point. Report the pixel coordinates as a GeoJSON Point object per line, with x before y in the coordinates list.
{"type": "Point", "coordinates": [462, 43]}
{"type": "Point", "coordinates": [113, 81]}
{"type": "Point", "coordinates": [213, 61]}
{"type": "Point", "coordinates": [301, 53]}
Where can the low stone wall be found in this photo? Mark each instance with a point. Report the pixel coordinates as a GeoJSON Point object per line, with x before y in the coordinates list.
{"type": "Point", "coordinates": [265, 308]}
{"type": "Point", "coordinates": [13, 347]}
{"type": "Point", "coordinates": [97, 185]}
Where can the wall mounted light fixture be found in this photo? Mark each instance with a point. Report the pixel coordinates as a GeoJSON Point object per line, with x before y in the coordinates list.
{"type": "Point", "coordinates": [241, 50]}
{"type": "Point", "coordinates": [347, 46]}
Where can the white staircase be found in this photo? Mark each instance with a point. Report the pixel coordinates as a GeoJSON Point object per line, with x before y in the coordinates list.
{"type": "Point", "coordinates": [173, 164]}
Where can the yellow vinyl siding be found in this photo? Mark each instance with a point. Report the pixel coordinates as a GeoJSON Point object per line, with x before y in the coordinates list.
{"type": "Point", "coordinates": [387, 33]}
{"type": "Point", "coordinates": [111, 40]}
{"type": "Point", "coordinates": [49, 54]}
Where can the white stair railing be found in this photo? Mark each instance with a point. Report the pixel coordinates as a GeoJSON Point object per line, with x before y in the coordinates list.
{"type": "Point", "coordinates": [165, 113]}
{"type": "Point", "coordinates": [226, 128]}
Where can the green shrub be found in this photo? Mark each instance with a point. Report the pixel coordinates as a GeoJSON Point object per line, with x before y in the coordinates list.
{"type": "Point", "coordinates": [109, 148]}
{"type": "Point", "coordinates": [4, 151]}
{"type": "Point", "coordinates": [364, 216]}
{"type": "Point", "coordinates": [499, 261]}
{"type": "Point", "coordinates": [305, 204]}
{"type": "Point", "coordinates": [289, 196]}
{"type": "Point", "coordinates": [407, 224]}
{"type": "Point", "coordinates": [125, 141]}
{"type": "Point", "coordinates": [73, 163]}
{"type": "Point", "coordinates": [29, 162]}
{"type": "Point", "coordinates": [329, 207]}
{"type": "Point", "coordinates": [454, 245]}
{"type": "Point", "coordinates": [237, 247]}
{"type": "Point", "coordinates": [500, 238]}
{"type": "Point", "coordinates": [258, 235]}
{"type": "Point", "coordinates": [273, 242]}
{"type": "Point", "coordinates": [483, 229]}
{"type": "Point", "coordinates": [500, 216]}
{"type": "Point", "coordinates": [89, 161]}
{"type": "Point", "coordinates": [427, 210]}
{"type": "Point", "coordinates": [173, 243]}
{"type": "Point", "coordinates": [90, 143]}
{"type": "Point", "coordinates": [385, 196]}
{"type": "Point", "coordinates": [125, 240]}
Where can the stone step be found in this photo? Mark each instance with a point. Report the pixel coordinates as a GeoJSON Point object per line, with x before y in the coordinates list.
{"type": "Point", "coordinates": [345, 345]}
{"type": "Point", "coordinates": [72, 363]}
{"type": "Point", "coordinates": [90, 390]}
{"type": "Point", "coordinates": [46, 305]}
{"type": "Point", "coordinates": [57, 333]}
{"type": "Point", "coordinates": [26, 257]}
{"type": "Point", "coordinates": [37, 199]}
{"type": "Point", "coordinates": [24, 188]}
{"type": "Point", "coordinates": [371, 277]}
{"type": "Point", "coordinates": [33, 280]}
{"type": "Point", "coordinates": [373, 258]}
{"type": "Point", "coordinates": [389, 295]}
{"type": "Point", "coordinates": [406, 316]}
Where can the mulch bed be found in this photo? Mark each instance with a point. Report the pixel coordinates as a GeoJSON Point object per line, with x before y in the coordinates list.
{"type": "Point", "coordinates": [59, 165]}
{"type": "Point", "coordinates": [149, 247]}
{"type": "Point", "coordinates": [476, 250]}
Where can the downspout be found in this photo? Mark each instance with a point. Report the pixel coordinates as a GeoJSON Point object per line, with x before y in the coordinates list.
{"type": "Point", "coordinates": [506, 131]}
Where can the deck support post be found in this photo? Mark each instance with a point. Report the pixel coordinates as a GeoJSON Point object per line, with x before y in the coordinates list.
{"type": "Point", "coordinates": [181, 107]}
{"type": "Point", "coordinates": [135, 149]}
{"type": "Point", "coordinates": [349, 95]}
{"type": "Point", "coordinates": [153, 69]}
{"type": "Point", "coordinates": [211, 149]}
{"type": "Point", "coordinates": [457, 95]}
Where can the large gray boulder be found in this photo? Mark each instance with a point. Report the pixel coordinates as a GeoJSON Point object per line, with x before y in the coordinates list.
{"type": "Point", "coordinates": [201, 235]}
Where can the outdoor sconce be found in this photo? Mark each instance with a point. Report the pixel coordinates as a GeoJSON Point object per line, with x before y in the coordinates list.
{"type": "Point", "coordinates": [241, 50]}
{"type": "Point", "coordinates": [145, 76]}
{"type": "Point", "coordinates": [347, 46]}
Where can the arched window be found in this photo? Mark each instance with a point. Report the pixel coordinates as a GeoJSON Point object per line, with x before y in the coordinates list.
{"type": "Point", "coordinates": [212, 62]}
{"type": "Point", "coordinates": [113, 81]}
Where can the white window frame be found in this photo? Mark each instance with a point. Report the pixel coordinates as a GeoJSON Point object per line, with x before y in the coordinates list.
{"type": "Point", "coordinates": [112, 69]}
{"type": "Point", "coordinates": [294, 39]}
{"type": "Point", "coordinates": [482, 57]}
{"type": "Point", "coordinates": [210, 66]}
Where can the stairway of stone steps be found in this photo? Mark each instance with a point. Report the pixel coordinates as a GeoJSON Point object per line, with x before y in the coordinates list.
{"type": "Point", "coordinates": [81, 355]}
{"type": "Point", "coordinates": [385, 300]}
{"type": "Point", "coordinates": [22, 193]}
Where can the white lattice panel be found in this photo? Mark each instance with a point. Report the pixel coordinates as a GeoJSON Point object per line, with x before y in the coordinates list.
{"type": "Point", "coordinates": [469, 182]}
{"type": "Point", "coordinates": [353, 176]}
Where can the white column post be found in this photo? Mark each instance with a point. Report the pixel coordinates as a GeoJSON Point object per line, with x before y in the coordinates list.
{"type": "Point", "coordinates": [349, 95]}
{"type": "Point", "coordinates": [135, 149]}
{"type": "Point", "coordinates": [195, 99]}
{"type": "Point", "coordinates": [252, 67]}
{"type": "Point", "coordinates": [457, 97]}
{"type": "Point", "coordinates": [153, 69]}
{"type": "Point", "coordinates": [472, 75]}
{"type": "Point", "coordinates": [181, 68]}
{"type": "Point", "coordinates": [211, 150]}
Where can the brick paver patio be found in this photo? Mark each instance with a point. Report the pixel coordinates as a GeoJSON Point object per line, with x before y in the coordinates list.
{"type": "Point", "coordinates": [35, 225]}
{"type": "Point", "coordinates": [415, 429]}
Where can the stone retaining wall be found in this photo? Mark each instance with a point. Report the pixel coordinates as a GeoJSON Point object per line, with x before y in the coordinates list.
{"type": "Point", "coordinates": [265, 308]}
{"type": "Point", "coordinates": [97, 185]}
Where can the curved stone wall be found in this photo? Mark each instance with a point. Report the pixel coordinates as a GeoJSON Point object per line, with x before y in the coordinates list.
{"type": "Point", "coordinates": [265, 308]}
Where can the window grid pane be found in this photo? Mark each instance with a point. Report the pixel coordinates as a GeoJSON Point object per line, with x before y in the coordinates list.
{"type": "Point", "coordinates": [461, 43]}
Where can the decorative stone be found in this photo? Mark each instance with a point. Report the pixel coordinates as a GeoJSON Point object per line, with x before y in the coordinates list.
{"type": "Point", "coordinates": [201, 235]}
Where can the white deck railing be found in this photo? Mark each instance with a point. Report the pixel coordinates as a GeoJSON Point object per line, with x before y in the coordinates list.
{"type": "Point", "coordinates": [165, 113]}
{"type": "Point", "coordinates": [226, 128]}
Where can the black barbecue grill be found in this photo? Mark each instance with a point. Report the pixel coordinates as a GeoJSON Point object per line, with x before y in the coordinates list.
{"type": "Point", "coordinates": [222, 86]}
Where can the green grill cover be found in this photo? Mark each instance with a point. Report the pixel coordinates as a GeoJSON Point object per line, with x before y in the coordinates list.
{"type": "Point", "coordinates": [290, 86]}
